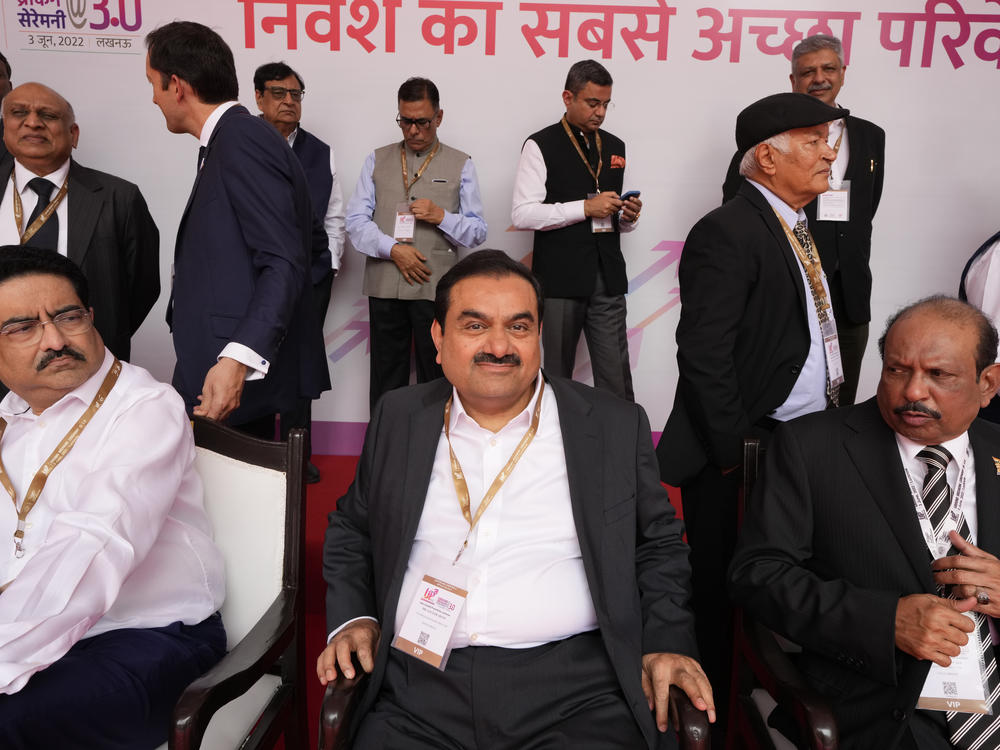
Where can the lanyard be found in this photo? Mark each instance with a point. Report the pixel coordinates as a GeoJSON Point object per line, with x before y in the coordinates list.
{"type": "Point", "coordinates": [939, 546]}
{"type": "Point", "coordinates": [811, 263]}
{"type": "Point", "coordinates": [586, 162]}
{"type": "Point", "coordinates": [462, 488]}
{"type": "Point", "coordinates": [42, 217]}
{"type": "Point", "coordinates": [64, 447]}
{"type": "Point", "coordinates": [402, 158]}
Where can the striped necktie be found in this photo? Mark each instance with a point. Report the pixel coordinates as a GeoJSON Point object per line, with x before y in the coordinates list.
{"type": "Point", "coordinates": [801, 232]}
{"type": "Point", "coordinates": [936, 493]}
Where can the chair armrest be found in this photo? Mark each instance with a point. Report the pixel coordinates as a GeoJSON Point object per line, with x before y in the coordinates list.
{"type": "Point", "coordinates": [235, 673]}
{"type": "Point", "coordinates": [693, 726]}
{"type": "Point", "coordinates": [782, 679]}
{"type": "Point", "coordinates": [338, 705]}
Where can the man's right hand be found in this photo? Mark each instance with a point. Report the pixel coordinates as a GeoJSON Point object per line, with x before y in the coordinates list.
{"type": "Point", "coordinates": [602, 204]}
{"type": "Point", "coordinates": [359, 638]}
{"type": "Point", "coordinates": [929, 627]}
{"type": "Point", "coordinates": [411, 263]}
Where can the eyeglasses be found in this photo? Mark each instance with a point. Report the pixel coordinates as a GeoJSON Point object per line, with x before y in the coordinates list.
{"type": "Point", "coordinates": [598, 104]}
{"type": "Point", "coordinates": [278, 93]}
{"type": "Point", "coordinates": [70, 323]}
{"type": "Point", "coordinates": [421, 122]}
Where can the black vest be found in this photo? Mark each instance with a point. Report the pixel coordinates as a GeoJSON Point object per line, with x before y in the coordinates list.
{"type": "Point", "coordinates": [567, 260]}
{"type": "Point", "coordinates": [314, 156]}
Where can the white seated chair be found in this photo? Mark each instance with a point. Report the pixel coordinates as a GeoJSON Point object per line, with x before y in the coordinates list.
{"type": "Point", "coordinates": [254, 495]}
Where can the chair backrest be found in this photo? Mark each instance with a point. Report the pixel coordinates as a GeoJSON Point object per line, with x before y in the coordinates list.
{"type": "Point", "coordinates": [254, 497]}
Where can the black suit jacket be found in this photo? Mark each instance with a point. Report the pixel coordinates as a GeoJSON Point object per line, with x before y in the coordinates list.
{"type": "Point", "coordinates": [630, 539]}
{"type": "Point", "coordinates": [845, 246]}
{"type": "Point", "coordinates": [241, 269]}
{"type": "Point", "coordinates": [742, 338]}
{"type": "Point", "coordinates": [114, 240]}
{"type": "Point", "coordinates": [830, 544]}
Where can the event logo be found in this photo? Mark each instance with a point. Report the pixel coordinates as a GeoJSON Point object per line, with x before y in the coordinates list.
{"type": "Point", "coordinates": [78, 25]}
{"type": "Point", "coordinates": [430, 593]}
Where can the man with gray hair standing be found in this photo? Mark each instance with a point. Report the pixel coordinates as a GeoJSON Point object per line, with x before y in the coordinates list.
{"type": "Point", "coordinates": [841, 218]}
{"type": "Point", "coordinates": [756, 341]}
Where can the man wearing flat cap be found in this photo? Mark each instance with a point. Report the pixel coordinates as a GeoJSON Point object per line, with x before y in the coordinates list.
{"type": "Point", "coordinates": [756, 342]}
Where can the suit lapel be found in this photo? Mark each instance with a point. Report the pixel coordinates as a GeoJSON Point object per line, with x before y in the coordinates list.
{"type": "Point", "coordinates": [774, 227]}
{"type": "Point", "coordinates": [582, 445]}
{"type": "Point", "coordinates": [856, 146]}
{"type": "Point", "coordinates": [83, 211]}
{"type": "Point", "coordinates": [874, 452]}
{"type": "Point", "coordinates": [985, 449]}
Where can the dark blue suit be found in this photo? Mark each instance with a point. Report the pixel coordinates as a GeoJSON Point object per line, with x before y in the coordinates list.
{"type": "Point", "coordinates": [241, 269]}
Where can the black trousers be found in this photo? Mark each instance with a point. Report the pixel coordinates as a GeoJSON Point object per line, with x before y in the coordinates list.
{"type": "Point", "coordinates": [559, 695]}
{"type": "Point", "coordinates": [396, 326]}
{"type": "Point", "coordinates": [115, 691]}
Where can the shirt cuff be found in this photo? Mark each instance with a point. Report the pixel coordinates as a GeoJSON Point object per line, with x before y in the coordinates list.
{"type": "Point", "coordinates": [385, 245]}
{"type": "Point", "coordinates": [349, 622]}
{"type": "Point", "coordinates": [449, 224]}
{"type": "Point", "coordinates": [256, 364]}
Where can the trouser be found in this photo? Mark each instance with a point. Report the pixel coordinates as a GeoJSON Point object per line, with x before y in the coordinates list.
{"type": "Point", "coordinates": [601, 317]}
{"type": "Point", "coordinates": [395, 325]}
{"type": "Point", "coordinates": [563, 694]}
{"type": "Point", "coordinates": [114, 691]}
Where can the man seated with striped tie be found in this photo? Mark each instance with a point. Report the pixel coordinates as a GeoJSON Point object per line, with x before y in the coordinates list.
{"type": "Point", "coordinates": [872, 536]}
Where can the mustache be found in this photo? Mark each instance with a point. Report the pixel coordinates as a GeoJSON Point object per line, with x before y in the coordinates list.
{"type": "Point", "coordinates": [825, 86]}
{"type": "Point", "coordinates": [917, 407]}
{"type": "Point", "coordinates": [485, 358]}
{"type": "Point", "coordinates": [66, 351]}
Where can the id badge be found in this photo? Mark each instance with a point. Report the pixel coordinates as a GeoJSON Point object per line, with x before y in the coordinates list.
{"type": "Point", "coordinates": [430, 620]}
{"type": "Point", "coordinates": [960, 687]}
{"type": "Point", "coordinates": [405, 225]}
{"type": "Point", "coordinates": [835, 203]}
{"type": "Point", "coordinates": [834, 364]}
{"type": "Point", "coordinates": [604, 224]}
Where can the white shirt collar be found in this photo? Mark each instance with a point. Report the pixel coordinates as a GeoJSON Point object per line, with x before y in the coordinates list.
{"type": "Point", "coordinates": [213, 120]}
{"type": "Point", "coordinates": [22, 175]}
{"type": "Point", "coordinates": [459, 415]}
{"type": "Point", "coordinates": [957, 446]}
{"type": "Point", "coordinates": [786, 212]}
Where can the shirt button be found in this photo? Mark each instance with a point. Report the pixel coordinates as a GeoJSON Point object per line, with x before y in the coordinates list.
{"type": "Point", "coordinates": [493, 442]}
{"type": "Point", "coordinates": [474, 637]}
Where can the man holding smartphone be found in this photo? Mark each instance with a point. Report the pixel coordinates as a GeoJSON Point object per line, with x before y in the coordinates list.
{"type": "Point", "coordinates": [568, 190]}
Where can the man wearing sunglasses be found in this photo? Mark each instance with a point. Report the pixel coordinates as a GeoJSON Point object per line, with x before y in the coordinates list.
{"type": "Point", "coordinates": [416, 201]}
{"type": "Point", "coordinates": [280, 91]}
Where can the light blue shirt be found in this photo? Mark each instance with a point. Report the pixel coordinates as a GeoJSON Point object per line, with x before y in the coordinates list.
{"type": "Point", "coordinates": [467, 228]}
{"type": "Point", "coordinates": [809, 392]}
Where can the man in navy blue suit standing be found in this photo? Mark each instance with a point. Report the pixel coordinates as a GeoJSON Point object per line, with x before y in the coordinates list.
{"type": "Point", "coordinates": [241, 311]}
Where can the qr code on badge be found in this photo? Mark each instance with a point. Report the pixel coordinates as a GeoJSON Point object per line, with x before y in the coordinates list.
{"type": "Point", "coordinates": [423, 638]}
{"type": "Point", "coordinates": [950, 690]}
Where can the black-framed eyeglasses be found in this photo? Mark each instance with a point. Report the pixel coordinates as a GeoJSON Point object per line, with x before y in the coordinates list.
{"type": "Point", "coordinates": [421, 122]}
{"type": "Point", "coordinates": [278, 93]}
{"type": "Point", "coordinates": [70, 323]}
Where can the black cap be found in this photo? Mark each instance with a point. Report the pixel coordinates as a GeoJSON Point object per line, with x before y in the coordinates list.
{"type": "Point", "coordinates": [780, 112]}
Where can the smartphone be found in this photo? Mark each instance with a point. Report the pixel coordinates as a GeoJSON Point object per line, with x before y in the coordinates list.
{"type": "Point", "coordinates": [631, 194]}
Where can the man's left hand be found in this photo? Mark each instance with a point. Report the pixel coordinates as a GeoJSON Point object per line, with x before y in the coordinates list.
{"type": "Point", "coordinates": [972, 572]}
{"type": "Point", "coordinates": [631, 209]}
{"type": "Point", "coordinates": [660, 671]}
{"type": "Point", "coordinates": [427, 210]}
{"type": "Point", "coordinates": [220, 394]}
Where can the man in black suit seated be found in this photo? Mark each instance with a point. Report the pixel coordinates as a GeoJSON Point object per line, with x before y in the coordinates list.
{"type": "Point", "coordinates": [841, 219]}
{"type": "Point", "coordinates": [874, 528]}
{"type": "Point", "coordinates": [575, 621]}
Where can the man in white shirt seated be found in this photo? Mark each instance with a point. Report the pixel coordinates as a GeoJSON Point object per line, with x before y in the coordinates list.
{"type": "Point", "coordinates": [575, 622]}
{"type": "Point", "coordinates": [110, 580]}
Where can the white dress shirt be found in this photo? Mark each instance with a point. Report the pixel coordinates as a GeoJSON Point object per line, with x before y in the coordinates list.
{"type": "Point", "coordinates": [809, 392]}
{"type": "Point", "coordinates": [119, 537]}
{"type": "Point", "coordinates": [982, 283]}
{"type": "Point", "coordinates": [838, 128]}
{"type": "Point", "coordinates": [257, 366]}
{"type": "Point", "coordinates": [333, 221]}
{"type": "Point", "coordinates": [466, 228]}
{"type": "Point", "coordinates": [528, 207]}
{"type": "Point", "coordinates": [29, 199]}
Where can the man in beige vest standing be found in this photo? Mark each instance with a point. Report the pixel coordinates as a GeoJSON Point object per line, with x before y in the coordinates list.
{"type": "Point", "coordinates": [415, 202]}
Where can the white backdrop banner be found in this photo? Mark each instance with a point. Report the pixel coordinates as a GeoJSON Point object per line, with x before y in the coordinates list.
{"type": "Point", "coordinates": [925, 71]}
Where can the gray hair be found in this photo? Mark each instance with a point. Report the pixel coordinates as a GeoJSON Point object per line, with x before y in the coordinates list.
{"type": "Point", "coordinates": [780, 142]}
{"type": "Point", "coordinates": [815, 43]}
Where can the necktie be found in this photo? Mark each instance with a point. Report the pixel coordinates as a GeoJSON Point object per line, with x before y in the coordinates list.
{"type": "Point", "coordinates": [966, 731]}
{"type": "Point", "coordinates": [47, 235]}
{"type": "Point", "coordinates": [822, 311]}
{"type": "Point", "coordinates": [936, 494]}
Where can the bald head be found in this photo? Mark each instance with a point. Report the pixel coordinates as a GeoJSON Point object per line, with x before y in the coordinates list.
{"type": "Point", "coordinates": [39, 127]}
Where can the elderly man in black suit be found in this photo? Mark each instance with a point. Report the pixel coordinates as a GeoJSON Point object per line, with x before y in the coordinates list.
{"type": "Point", "coordinates": [876, 527]}
{"type": "Point", "coordinates": [756, 342]}
{"type": "Point", "coordinates": [96, 219]}
{"type": "Point", "coordinates": [575, 622]}
{"type": "Point", "coordinates": [840, 219]}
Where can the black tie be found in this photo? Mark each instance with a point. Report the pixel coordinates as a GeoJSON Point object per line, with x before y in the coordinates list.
{"type": "Point", "coordinates": [936, 494]}
{"type": "Point", "coordinates": [47, 236]}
